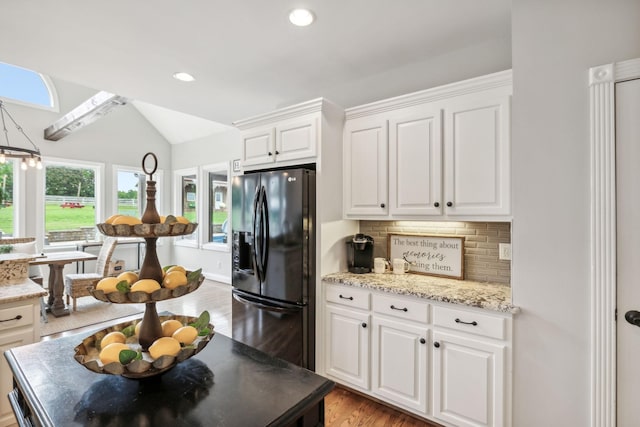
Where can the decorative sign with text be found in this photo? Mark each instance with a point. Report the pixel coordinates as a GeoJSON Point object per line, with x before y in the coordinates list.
{"type": "Point", "coordinates": [431, 255]}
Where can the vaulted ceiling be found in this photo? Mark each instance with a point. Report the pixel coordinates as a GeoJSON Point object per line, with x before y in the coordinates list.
{"type": "Point", "coordinates": [246, 56]}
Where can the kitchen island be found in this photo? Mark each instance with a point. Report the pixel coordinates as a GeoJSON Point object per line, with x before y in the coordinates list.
{"type": "Point", "coordinates": [227, 383]}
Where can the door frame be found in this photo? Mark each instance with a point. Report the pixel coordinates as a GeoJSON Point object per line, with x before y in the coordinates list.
{"type": "Point", "coordinates": [603, 285]}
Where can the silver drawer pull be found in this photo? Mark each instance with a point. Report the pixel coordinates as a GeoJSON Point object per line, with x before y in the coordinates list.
{"type": "Point", "coordinates": [18, 317]}
{"type": "Point", "coordinates": [393, 307]}
{"type": "Point", "coordinates": [349, 298]}
{"type": "Point", "coordinates": [474, 323]}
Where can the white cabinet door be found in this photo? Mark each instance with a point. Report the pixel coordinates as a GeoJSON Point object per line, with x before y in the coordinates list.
{"type": "Point", "coordinates": [477, 155]}
{"type": "Point", "coordinates": [258, 147]}
{"type": "Point", "coordinates": [296, 140]}
{"type": "Point", "coordinates": [415, 162]}
{"type": "Point", "coordinates": [347, 346]}
{"type": "Point", "coordinates": [399, 363]}
{"type": "Point", "coordinates": [468, 381]}
{"type": "Point", "coordinates": [8, 340]}
{"type": "Point", "coordinates": [365, 167]}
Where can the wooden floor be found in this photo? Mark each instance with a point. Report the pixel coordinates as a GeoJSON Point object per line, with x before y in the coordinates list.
{"type": "Point", "coordinates": [344, 408]}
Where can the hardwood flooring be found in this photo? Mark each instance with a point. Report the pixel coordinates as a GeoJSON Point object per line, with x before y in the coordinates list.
{"type": "Point", "coordinates": [343, 408]}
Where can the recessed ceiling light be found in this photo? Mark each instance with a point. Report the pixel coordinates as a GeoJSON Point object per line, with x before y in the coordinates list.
{"type": "Point", "coordinates": [183, 77]}
{"type": "Point", "coordinates": [301, 17]}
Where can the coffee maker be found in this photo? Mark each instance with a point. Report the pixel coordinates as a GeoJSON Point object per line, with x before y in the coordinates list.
{"type": "Point", "coordinates": [360, 253]}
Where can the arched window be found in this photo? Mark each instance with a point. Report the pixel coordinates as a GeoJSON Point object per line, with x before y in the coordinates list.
{"type": "Point", "coordinates": [27, 87]}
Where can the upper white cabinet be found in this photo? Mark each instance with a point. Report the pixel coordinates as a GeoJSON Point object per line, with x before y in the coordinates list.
{"type": "Point", "coordinates": [285, 137]}
{"type": "Point", "coordinates": [447, 153]}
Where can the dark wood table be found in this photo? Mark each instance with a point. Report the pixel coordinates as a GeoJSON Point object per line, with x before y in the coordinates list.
{"type": "Point", "coordinates": [56, 262]}
{"type": "Point", "coordinates": [226, 384]}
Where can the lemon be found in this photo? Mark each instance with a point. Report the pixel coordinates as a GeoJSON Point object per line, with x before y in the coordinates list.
{"type": "Point", "coordinates": [177, 268]}
{"type": "Point", "coordinates": [145, 285]}
{"type": "Point", "coordinates": [111, 353]}
{"type": "Point", "coordinates": [173, 279]}
{"type": "Point", "coordinates": [108, 285]}
{"type": "Point", "coordinates": [182, 220]}
{"type": "Point", "coordinates": [126, 219]}
{"type": "Point", "coordinates": [112, 218]}
{"type": "Point", "coordinates": [164, 346]}
{"type": "Point", "coordinates": [162, 219]}
{"type": "Point", "coordinates": [129, 276]}
{"type": "Point", "coordinates": [170, 326]}
{"type": "Point", "coordinates": [112, 337]}
{"type": "Point", "coordinates": [137, 328]}
{"type": "Point", "coordinates": [186, 334]}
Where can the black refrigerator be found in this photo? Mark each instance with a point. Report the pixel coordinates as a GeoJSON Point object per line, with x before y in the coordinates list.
{"type": "Point", "coordinates": [273, 231]}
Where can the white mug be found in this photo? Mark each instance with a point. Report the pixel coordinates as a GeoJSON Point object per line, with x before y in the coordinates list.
{"type": "Point", "coordinates": [380, 265]}
{"type": "Point", "coordinates": [400, 266]}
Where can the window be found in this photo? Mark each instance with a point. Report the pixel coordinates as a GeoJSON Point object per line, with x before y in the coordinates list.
{"type": "Point", "coordinates": [6, 198]}
{"type": "Point", "coordinates": [186, 203]}
{"type": "Point", "coordinates": [26, 87]}
{"type": "Point", "coordinates": [216, 231]}
{"type": "Point", "coordinates": [131, 187]}
{"type": "Point", "coordinates": [70, 202]}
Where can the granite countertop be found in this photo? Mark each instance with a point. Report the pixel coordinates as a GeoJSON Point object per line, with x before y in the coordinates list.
{"type": "Point", "coordinates": [490, 296]}
{"type": "Point", "coordinates": [24, 290]}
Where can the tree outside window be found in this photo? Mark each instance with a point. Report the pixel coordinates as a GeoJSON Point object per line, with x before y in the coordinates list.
{"type": "Point", "coordinates": [6, 198]}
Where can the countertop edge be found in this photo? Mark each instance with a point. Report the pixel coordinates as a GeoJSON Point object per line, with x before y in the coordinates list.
{"type": "Point", "coordinates": [25, 290]}
{"type": "Point", "coordinates": [495, 306]}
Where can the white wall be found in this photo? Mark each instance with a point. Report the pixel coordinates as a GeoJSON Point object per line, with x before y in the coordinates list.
{"type": "Point", "coordinates": [217, 148]}
{"type": "Point", "coordinates": [554, 43]}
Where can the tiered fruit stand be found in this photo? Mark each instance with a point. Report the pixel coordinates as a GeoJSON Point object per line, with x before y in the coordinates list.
{"type": "Point", "coordinates": [151, 328]}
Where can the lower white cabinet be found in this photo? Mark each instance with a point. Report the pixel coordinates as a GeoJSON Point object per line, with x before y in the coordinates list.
{"type": "Point", "coordinates": [19, 325]}
{"type": "Point", "coordinates": [444, 362]}
{"type": "Point", "coordinates": [399, 363]}
{"type": "Point", "coordinates": [468, 381]}
{"type": "Point", "coordinates": [347, 346]}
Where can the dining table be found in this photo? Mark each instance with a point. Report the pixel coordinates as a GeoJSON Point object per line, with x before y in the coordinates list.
{"type": "Point", "coordinates": [56, 262]}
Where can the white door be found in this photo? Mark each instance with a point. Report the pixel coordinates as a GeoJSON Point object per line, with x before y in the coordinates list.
{"type": "Point", "coordinates": [628, 250]}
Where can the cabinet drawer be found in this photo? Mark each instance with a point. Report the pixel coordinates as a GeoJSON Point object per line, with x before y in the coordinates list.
{"type": "Point", "coordinates": [470, 321]}
{"type": "Point", "coordinates": [352, 297]}
{"type": "Point", "coordinates": [15, 317]}
{"type": "Point", "coordinates": [403, 308]}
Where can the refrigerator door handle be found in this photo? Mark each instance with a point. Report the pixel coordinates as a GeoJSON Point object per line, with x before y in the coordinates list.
{"type": "Point", "coordinates": [264, 212]}
{"type": "Point", "coordinates": [259, 304]}
{"type": "Point", "coordinates": [255, 236]}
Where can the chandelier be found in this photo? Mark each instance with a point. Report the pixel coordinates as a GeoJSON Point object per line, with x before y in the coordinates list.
{"type": "Point", "coordinates": [29, 157]}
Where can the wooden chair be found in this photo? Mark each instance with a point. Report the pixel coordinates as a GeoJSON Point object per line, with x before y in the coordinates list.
{"type": "Point", "coordinates": [78, 285]}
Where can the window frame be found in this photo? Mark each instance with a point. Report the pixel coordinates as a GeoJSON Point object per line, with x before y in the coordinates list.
{"type": "Point", "coordinates": [99, 171]}
{"type": "Point", "coordinates": [206, 190]}
{"type": "Point", "coordinates": [158, 178]}
{"type": "Point", "coordinates": [48, 84]}
{"type": "Point", "coordinates": [178, 175]}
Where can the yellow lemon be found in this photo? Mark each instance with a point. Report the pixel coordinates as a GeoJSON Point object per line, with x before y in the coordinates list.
{"type": "Point", "coordinates": [112, 218]}
{"type": "Point", "coordinates": [177, 268]}
{"type": "Point", "coordinates": [170, 326]}
{"type": "Point", "coordinates": [164, 346]}
{"type": "Point", "coordinates": [137, 328]}
{"type": "Point", "coordinates": [186, 334]}
{"type": "Point", "coordinates": [173, 279]}
{"type": "Point", "coordinates": [108, 285]}
{"type": "Point", "coordinates": [129, 276]}
{"type": "Point", "coordinates": [112, 337]}
{"type": "Point", "coordinates": [126, 219]}
{"type": "Point", "coordinates": [111, 353]}
{"type": "Point", "coordinates": [145, 285]}
{"type": "Point", "coordinates": [162, 218]}
{"type": "Point", "coordinates": [182, 220]}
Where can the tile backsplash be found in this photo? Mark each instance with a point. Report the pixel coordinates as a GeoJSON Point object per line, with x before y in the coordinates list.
{"type": "Point", "coordinates": [481, 241]}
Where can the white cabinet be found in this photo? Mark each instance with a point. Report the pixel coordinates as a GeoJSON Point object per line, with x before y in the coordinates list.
{"type": "Point", "coordinates": [399, 363]}
{"type": "Point", "coordinates": [365, 167]}
{"type": "Point", "coordinates": [468, 381]}
{"type": "Point", "coordinates": [19, 325]}
{"type": "Point", "coordinates": [284, 137]}
{"type": "Point", "coordinates": [444, 362]}
{"type": "Point", "coordinates": [347, 346]}
{"type": "Point", "coordinates": [439, 153]}
{"type": "Point", "coordinates": [477, 154]}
